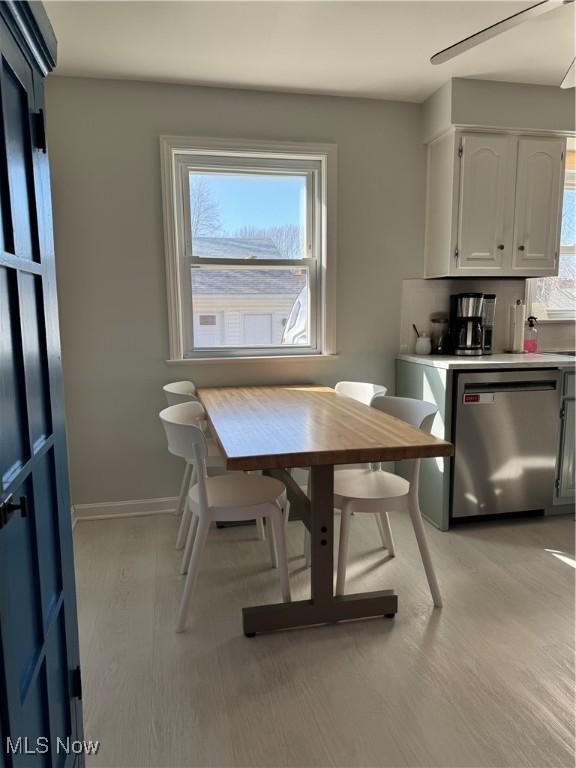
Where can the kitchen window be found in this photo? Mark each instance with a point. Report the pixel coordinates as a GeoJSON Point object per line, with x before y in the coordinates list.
{"type": "Point", "coordinates": [554, 298]}
{"type": "Point", "coordinates": [250, 248]}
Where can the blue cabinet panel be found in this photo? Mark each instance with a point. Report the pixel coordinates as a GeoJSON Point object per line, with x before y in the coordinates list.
{"type": "Point", "coordinates": [13, 426]}
{"type": "Point", "coordinates": [39, 655]}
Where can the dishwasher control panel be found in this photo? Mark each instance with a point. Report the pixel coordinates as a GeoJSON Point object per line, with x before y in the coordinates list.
{"type": "Point", "coordinates": [470, 398]}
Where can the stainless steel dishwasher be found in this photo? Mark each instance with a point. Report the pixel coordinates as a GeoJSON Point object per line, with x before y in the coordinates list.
{"type": "Point", "coordinates": [506, 427]}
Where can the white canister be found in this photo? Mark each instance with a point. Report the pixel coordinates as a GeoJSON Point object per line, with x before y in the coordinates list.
{"type": "Point", "coordinates": [423, 344]}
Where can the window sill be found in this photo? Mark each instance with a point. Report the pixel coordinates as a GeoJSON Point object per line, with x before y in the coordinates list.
{"type": "Point", "coordinates": [565, 320]}
{"type": "Point", "coordinates": [252, 359]}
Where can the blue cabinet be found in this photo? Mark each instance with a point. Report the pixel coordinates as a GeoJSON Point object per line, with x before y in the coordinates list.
{"type": "Point", "coordinates": [40, 695]}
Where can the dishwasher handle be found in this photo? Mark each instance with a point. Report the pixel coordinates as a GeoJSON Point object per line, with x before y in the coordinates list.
{"type": "Point", "coordinates": [511, 386]}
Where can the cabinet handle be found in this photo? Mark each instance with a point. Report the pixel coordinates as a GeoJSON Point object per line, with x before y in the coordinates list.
{"type": "Point", "coordinates": [521, 248]}
{"type": "Point", "coordinates": [501, 247]}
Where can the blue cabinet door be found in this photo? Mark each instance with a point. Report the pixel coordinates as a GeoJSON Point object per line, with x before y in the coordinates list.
{"type": "Point", "coordinates": [40, 709]}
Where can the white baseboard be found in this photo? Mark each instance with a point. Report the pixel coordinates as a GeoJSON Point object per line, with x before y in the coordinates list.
{"type": "Point", "coordinates": [135, 508]}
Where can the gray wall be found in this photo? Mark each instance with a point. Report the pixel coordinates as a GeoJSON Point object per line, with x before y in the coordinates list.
{"type": "Point", "coordinates": [104, 148]}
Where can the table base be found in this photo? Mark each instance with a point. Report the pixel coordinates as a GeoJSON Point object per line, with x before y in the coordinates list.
{"type": "Point", "coordinates": [305, 613]}
{"type": "Point", "coordinates": [324, 607]}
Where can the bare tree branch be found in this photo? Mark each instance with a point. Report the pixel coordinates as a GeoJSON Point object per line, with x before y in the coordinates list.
{"type": "Point", "coordinates": [288, 238]}
{"type": "Point", "coordinates": [204, 209]}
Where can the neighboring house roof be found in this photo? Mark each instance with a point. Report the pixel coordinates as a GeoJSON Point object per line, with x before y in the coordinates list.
{"type": "Point", "coordinates": [243, 282]}
{"type": "Point", "coordinates": [235, 248]}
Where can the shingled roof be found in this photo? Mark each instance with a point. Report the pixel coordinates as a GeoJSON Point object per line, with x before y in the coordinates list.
{"type": "Point", "coordinates": [235, 248]}
{"type": "Point", "coordinates": [244, 282]}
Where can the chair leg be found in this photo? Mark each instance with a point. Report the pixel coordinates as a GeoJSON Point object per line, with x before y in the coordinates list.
{"type": "Point", "coordinates": [307, 547]}
{"type": "Point", "coordinates": [260, 528]}
{"type": "Point", "coordinates": [272, 544]}
{"type": "Point", "coordinates": [387, 533]}
{"type": "Point", "coordinates": [186, 513]}
{"type": "Point", "coordinates": [418, 526]}
{"type": "Point", "coordinates": [184, 485]}
{"type": "Point", "coordinates": [189, 543]}
{"type": "Point", "coordinates": [194, 567]}
{"type": "Point", "coordinates": [183, 527]}
{"type": "Point", "coordinates": [307, 537]}
{"type": "Point", "coordinates": [277, 525]}
{"type": "Point", "coordinates": [381, 530]}
{"type": "Point", "coordinates": [343, 551]}
{"type": "Point", "coordinates": [286, 515]}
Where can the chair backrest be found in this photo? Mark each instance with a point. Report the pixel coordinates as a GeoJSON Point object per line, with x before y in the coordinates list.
{"type": "Point", "coordinates": [360, 390]}
{"type": "Point", "coordinates": [186, 439]}
{"type": "Point", "coordinates": [182, 424]}
{"type": "Point", "coordinates": [180, 392]}
{"type": "Point", "coordinates": [419, 413]}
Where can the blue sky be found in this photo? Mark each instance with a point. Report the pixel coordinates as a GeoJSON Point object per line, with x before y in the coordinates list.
{"type": "Point", "coordinates": [569, 217]}
{"type": "Point", "coordinates": [260, 201]}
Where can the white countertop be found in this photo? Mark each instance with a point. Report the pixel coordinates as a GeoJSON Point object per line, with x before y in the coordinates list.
{"type": "Point", "coordinates": [502, 360]}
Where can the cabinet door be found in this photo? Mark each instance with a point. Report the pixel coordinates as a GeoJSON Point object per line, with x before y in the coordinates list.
{"type": "Point", "coordinates": [539, 185]}
{"type": "Point", "coordinates": [567, 464]}
{"type": "Point", "coordinates": [39, 656]}
{"type": "Point", "coordinates": [486, 204]}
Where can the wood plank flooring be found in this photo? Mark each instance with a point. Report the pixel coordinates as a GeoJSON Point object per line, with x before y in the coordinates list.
{"type": "Point", "coordinates": [487, 681]}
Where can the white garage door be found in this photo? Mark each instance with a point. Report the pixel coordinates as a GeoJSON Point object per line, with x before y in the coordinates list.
{"type": "Point", "coordinates": [257, 330]}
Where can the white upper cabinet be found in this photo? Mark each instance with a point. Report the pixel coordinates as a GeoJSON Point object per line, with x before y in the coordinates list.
{"type": "Point", "coordinates": [486, 203]}
{"type": "Point", "coordinates": [539, 187]}
{"type": "Point", "coordinates": [493, 205]}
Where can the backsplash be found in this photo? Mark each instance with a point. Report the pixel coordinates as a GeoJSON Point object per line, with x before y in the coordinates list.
{"type": "Point", "coordinates": [557, 336]}
{"type": "Point", "coordinates": [420, 298]}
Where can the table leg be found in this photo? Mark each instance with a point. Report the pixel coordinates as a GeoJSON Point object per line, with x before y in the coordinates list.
{"type": "Point", "coordinates": [322, 533]}
{"type": "Point", "coordinates": [323, 607]}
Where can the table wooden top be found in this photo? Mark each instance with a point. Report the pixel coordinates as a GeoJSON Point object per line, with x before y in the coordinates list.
{"type": "Point", "coordinates": [302, 426]}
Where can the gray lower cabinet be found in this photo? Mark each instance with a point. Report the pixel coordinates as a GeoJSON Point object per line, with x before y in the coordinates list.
{"type": "Point", "coordinates": [425, 382]}
{"type": "Point", "coordinates": [566, 468]}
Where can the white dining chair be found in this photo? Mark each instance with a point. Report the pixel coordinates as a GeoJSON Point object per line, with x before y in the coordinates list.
{"type": "Point", "coordinates": [180, 392]}
{"type": "Point", "coordinates": [379, 492]}
{"type": "Point", "coordinates": [176, 393]}
{"type": "Point", "coordinates": [223, 498]}
{"type": "Point", "coordinates": [363, 392]}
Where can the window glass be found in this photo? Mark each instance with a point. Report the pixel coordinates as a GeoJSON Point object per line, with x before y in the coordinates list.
{"type": "Point", "coordinates": [554, 298]}
{"type": "Point", "coordinates": [250, 306]}
{"type": "Point", "coordinates": [248, 215]}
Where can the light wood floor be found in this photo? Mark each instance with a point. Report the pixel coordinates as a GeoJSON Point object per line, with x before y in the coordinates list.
{"type": "Point", "coordinates": [486, 681]}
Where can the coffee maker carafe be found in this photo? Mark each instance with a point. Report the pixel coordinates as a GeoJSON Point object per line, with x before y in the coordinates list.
{"type": "Point", "coordinates": [466, 323]}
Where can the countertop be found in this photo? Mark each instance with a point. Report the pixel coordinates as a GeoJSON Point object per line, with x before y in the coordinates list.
{"type": "Point", "coordinates": [502, 360]}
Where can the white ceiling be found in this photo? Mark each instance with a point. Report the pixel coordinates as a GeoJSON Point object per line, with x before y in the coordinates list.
{"type": "Point", "coordinates": [370, 49]}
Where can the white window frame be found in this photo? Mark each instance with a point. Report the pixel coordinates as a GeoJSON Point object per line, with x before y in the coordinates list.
{"type": "Point", "coordinates": [570, 182]}
{"type": "Point", "coordinates": [178, 156]}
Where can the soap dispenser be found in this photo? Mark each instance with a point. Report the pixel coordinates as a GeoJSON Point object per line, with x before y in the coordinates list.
{"type": "Point", "coordinates": [531, 337]}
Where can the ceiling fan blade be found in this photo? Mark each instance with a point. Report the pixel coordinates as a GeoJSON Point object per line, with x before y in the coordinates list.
{"type": "Point", "coordinates": [570, 76]}
{"type": "Point", "coordinates": [496, 29]}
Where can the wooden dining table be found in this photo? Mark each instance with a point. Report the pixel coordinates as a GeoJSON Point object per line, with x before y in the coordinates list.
{"type": "Point", "coordinates": [278, 428]}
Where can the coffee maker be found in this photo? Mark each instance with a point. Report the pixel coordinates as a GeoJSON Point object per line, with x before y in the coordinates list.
{"type": "Point", "coordinates": [466, 334]}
